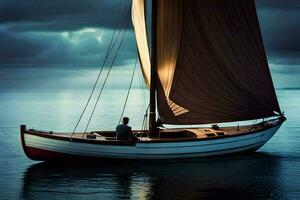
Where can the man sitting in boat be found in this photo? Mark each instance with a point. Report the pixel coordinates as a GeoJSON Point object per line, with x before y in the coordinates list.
{"type": "Point", "coordinates": [124, 132]}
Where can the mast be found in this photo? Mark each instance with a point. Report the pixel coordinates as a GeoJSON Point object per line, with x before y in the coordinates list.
{"type": "Point", "coordinates": [152, 115]}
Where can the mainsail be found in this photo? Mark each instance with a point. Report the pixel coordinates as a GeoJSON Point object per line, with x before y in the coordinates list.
{"type": "Point", "coordinates": [211, 62]}
{"type": "Point", "coordinates": [139, 23]}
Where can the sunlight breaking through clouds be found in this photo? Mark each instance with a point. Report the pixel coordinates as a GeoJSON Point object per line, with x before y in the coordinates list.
{"type": "Point", "coordinates": [76, 36]}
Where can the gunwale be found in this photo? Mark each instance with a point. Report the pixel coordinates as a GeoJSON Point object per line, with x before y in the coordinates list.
{"type": "Point", "coordinates": [229, 133]}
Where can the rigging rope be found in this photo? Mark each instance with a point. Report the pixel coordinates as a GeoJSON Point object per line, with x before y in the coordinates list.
{"type": "Point", "coordinates": [110, 47]}
{"type": "Point", "coordinates": [130, 85]}
{"type": "Point", "coordinates": [145, 118]}
{"type": "Point", "coordinates": [107, 75]}
{"type": "Point", "coordinates": [143, 96]}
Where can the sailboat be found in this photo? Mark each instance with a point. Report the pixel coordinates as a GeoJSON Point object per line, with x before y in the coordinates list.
{"type": "Point", "coordinates": [205, 63]}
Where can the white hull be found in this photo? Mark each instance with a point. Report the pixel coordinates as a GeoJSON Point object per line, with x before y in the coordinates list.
{"type": "Point", "coordinates": [151, 150]}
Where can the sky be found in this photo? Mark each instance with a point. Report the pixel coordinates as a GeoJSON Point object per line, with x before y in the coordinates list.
{"type": "Point", "coordinates": [61, 44]}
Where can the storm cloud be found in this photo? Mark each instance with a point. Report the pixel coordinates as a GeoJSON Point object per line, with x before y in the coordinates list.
{"type": "Point", "coordinates": [60, 15]}
{"type": "Point", "coordinates": [75, 35]}
{"type": "Point", "coordinates": [62, 33]}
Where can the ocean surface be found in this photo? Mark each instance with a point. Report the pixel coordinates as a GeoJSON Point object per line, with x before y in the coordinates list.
{"type": "Point", "coordinates": [271, 173]}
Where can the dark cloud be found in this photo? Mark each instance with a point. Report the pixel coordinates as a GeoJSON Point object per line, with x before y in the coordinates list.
{"type": "Point", "coordinates": [278, 4]}
{"type": "Point", "coordinates": [25, 24]}
{"type": "Point", "coordinates": [84, 48]}
{"type": "Point", "coordinates": [281, 30]}
{"type": "Point", "coordinates": [61, 15]}
{"type": "Point", "coordinates": [14, 46]}
{"type": "Point", "coordinates": [64, 35]}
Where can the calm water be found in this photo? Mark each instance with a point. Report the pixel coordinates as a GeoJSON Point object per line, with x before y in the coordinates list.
{"type": "Point", "coordinates": [271, 173]}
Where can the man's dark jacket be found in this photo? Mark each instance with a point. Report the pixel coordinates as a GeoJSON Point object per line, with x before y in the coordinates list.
{"type": "Point", "coordinates": [124, 132]}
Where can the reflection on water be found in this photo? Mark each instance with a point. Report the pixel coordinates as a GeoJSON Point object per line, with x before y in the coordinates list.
{"type": "Point", "coordinates": [236, 177]}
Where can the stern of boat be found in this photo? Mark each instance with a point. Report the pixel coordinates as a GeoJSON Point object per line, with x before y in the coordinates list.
{"type": "Point", "coordinates": [35, 153]}
{"type": "Point", "coordinates": [23, 143]}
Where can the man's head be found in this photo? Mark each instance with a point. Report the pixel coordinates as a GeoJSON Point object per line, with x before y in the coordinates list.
{"type": "Point", "coordinates": [125, 120]}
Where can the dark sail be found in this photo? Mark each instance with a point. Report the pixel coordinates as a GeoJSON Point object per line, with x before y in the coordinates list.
{"type": "Point", "coordinates": [212, 66]}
